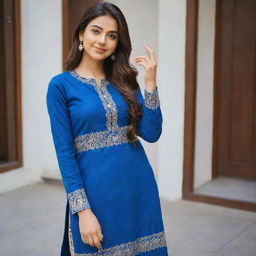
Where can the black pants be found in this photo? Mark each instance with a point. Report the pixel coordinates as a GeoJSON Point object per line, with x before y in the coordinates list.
{"type": "Point", "coordinates": [65, 244]}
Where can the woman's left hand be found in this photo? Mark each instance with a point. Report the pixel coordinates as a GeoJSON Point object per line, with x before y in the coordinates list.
{"type": "Point", "coordinates": [150, 66]}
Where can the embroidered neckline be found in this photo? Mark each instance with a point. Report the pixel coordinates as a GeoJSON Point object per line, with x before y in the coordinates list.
{"type": "Point", "coordinates": [89, 80]}
{"type": "Point", "coordinates": [106, 98]}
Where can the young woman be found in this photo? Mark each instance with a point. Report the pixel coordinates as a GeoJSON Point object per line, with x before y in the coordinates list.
{"type": "Point", "coordinates": [97, 112]}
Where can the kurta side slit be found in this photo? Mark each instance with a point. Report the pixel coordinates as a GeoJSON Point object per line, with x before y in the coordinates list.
{"type": "Point", "coordinates": [101, 170]}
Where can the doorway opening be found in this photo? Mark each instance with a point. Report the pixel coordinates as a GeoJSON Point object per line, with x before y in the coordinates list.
{"type": "Point", "coordinates": [220, 117]}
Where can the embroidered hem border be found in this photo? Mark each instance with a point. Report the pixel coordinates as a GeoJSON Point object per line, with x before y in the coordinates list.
{"type": "Point", "coordinates": [142, 244]}
{"type": "Point", "coordinates": [95, 140]}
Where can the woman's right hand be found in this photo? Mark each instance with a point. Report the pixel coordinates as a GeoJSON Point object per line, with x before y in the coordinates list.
{"type": "Point", "coordinates": [90, 228]}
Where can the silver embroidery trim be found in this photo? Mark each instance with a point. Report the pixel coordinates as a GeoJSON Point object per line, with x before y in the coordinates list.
{"type": "Point", "coordinates": [108, 103]}
{"type": "Point", "coordinates": [78, 200]}
{"type": "Point", "coordinates": [109, 106]}
{"type": "Point", "coordinates": [95, 140]}
{"type": "Point", "coordinates": [151, 99]}
{"type": "Point", "coordinates": [70, 238]}
{"type": "Point", "coordinates": [88, 80]}
{"type": "Point", "coordinates": [142, 244]}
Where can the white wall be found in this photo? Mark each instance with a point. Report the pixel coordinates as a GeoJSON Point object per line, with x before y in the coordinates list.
{"type": "Point", "coordinates": [41, 58]}
{"type": "Point", "coordinates": [142, 19]}
{"type": "Point", "coordinates": [171, 79]}
{"type": "Point", "coordinates": [204, 97]}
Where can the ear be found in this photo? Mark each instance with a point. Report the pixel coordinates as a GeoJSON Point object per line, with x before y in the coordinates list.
{"type": "Point", "coordinates": [81, 36]}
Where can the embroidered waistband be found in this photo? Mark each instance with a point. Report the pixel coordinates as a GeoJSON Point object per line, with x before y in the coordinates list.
{"type": "Point", "coordinates": [95, 140]}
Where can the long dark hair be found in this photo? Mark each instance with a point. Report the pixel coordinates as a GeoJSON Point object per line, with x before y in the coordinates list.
{"type": "Point", "coordinates": [124, 77]}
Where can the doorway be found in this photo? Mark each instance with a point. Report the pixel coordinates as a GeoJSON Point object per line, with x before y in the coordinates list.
{"type": "Point", "coordinates": [220, 155]}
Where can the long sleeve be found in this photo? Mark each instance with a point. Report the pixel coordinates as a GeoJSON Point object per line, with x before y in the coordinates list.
{"type": "Point", "coordinates": [57, 107]}
{"type": "Point", "coordinates": [150, 124]}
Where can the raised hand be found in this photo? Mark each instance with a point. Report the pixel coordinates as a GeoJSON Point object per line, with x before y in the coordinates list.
{"type": "Point", "coordinates": [149, 63]}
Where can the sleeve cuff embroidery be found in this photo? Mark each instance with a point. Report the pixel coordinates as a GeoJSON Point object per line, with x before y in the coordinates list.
{"type": "Point", "coordinates": [78, 200]}
{"type": "Point", "coordinates": [152, 99]}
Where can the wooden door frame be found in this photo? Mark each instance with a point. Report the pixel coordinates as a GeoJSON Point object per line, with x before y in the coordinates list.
{"type": "Point", "coordinates": [66, 30]}
{"type": "Point", "coordinates": [190, 115]}
{"type": "Point", "coordinates": [16, 99]}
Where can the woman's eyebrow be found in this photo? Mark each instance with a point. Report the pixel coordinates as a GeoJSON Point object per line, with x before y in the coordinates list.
{"type": "Point", "coordinates": [112, 31]}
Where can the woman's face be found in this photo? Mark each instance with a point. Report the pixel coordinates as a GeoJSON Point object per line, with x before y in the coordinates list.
{"type": "Point", "coordinates": [100, 37]}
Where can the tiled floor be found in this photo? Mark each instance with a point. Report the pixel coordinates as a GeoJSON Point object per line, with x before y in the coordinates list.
{"type": "Point", "coordinates": [32, 219]}
{"type": "Point", "coordinates": [228, 187]}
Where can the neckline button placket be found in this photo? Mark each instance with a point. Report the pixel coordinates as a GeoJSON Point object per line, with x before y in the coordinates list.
{"type": "Point", "coordinates": [111, 110]}
{"type": "Point", "coordinates": [90, 80]}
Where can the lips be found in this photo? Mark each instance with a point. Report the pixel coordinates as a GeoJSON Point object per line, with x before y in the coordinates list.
{"type": "Point", "coordinates": [99, 49]}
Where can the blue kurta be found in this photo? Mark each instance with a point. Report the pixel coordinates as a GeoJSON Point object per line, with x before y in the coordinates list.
{"type": "Point", "coordinates": [101, 170]}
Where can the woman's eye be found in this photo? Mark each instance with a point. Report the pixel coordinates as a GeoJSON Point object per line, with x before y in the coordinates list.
{"type": "Point", "coordinates": [95, 31]}
{"type": "Point", "coordinates": [113, 36]}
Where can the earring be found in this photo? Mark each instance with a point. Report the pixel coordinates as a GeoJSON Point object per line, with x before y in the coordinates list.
{"type": "Point", "coordinates": [113, 57]}
{"type": "Point", "coordinates": [81, 47]}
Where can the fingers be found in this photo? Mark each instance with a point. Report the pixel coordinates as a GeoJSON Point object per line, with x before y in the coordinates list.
{"type": "Point", "coordinates": [143, 58]}
{"type": "Point", "coordinates": [151, 53]}
{"type": "Point", "coordinates": [97, 242]}
{"type": "Point", "coordinates": [93, 240]}
{"type": "Point", "coordinates": [145, 62]}
{"type": "Point", "coordinates": [141, 63]}
{"type": "Point", "coordinates": [100, 236]}
{"type": "Point", "coordinates": [90, 241]}
{"type": "Point", "coordinates": [148, 61]}
{"type": "Point", "coordinates": [90, 230]}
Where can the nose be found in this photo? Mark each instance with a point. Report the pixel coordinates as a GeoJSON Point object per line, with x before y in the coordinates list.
{"type": "Point", "coordinates": [102, 39]}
